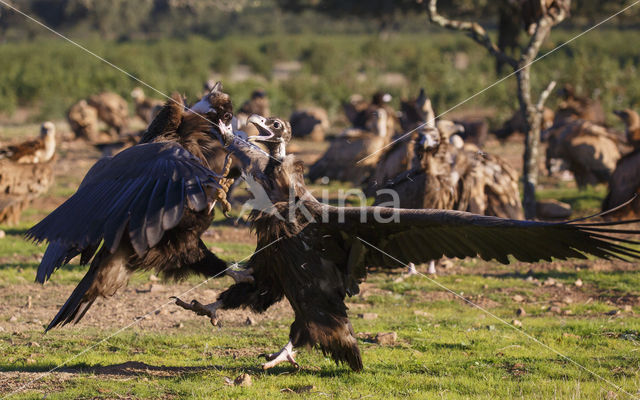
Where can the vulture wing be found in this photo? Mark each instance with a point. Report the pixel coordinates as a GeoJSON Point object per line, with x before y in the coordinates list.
{"type": "Point", "coordinates": [423, 235]}
{"type": "Point", "coordinates": [22, 150]}
{"type": "Point", "coordinates": [142, 191]}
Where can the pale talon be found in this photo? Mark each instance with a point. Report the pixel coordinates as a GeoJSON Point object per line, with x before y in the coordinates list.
{"type": "Point", "coordinates": [432, 267]}
{"type": "Point", "coordinates": [285, 355]}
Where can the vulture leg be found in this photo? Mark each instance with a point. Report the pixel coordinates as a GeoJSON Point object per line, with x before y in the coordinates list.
{"type": "Point", "coordinates": [284, 355]}
{"type": "Point", "coordinates": [210, 310]}
{"type": "Point", "coordinates": [240, 276]}
{"type": "Point", "coordinates": [432, 267]}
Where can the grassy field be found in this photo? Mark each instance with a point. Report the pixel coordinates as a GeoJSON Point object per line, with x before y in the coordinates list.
{"type": "Point", "coordinates": [587, 310]}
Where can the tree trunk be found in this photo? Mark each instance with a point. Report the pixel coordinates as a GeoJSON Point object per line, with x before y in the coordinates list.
{"type": "Point", "coordinates": [532, 142]}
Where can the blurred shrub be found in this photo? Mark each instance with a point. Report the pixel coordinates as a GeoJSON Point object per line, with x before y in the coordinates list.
{"type": "Point", "coordinates": [51, 74]}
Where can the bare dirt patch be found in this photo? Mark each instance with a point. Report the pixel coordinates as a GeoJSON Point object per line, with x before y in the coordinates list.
{"type": "Point", "coordinates": [125, 307]}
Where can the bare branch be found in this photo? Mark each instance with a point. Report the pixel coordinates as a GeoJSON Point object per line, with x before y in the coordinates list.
{"type": "Point", "coordinates": [542, 30]}
{"type": "Point", "coordinates": [544, 95]}
{"type": "Point", "coordinates": [473, 29]}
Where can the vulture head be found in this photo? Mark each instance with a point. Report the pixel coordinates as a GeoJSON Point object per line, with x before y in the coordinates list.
{"type": "Point", "coordinates": [632, 123]}
{"type": "Point", "coordinates": [137, 95]}
{"type": "Point", "coordinates": [567, 92]}
{"type": "Point", "coordinates": [274, 133]}
{"type": "Point", "coordinates": [47, 130]}
{"type": "Point", "coordinates": [427, 142]}
{"type": "Point", "coordinates": [449, 128]}
{"type": "Point", "coordinates": [417, 112]}
{"type": "Point", "coordinates": [629, 117]}
{"type": "Point", "coordinates": [48, 136]}
{"type": "Point", "coordinates": [216, 105]}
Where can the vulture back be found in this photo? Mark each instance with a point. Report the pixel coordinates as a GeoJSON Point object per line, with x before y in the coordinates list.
{"type": "Point", "coordinates": [20, 183]}
{"type": "Point", "coordinates": [590, 151]}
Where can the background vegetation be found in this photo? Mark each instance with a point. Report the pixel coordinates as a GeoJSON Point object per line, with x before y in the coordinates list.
{"type": "Point", "coordinates": [301, 52]}
{"type": "Point", "coordinates": [50, 74]}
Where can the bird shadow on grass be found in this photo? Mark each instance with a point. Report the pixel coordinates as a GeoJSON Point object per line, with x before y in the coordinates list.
{"type": "Point", "coordinates": [128, 368]}
{"type": "Point", "coordinates": [138, 368]}
{"type": "Point", "coordinates": [540, 275]}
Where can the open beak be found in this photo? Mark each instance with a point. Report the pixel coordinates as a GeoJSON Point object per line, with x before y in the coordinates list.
{"type": "Point", "coordinates": [264, 133]}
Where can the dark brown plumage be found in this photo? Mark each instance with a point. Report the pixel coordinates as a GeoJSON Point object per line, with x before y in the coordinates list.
{"type": "Point", "coordinates": [144, 208]}
{"type": "Point", "coordinates": [515, 125]}
{"type": "Point", "coordinates": [574, 107]}
{"type": "Point", "coordinates": [625, 180]}
{"type": "Point", "coordinates": [309, 123]}
{"type": "Point", "coordinates": [430, 183]}
{"type": "Point", "coordinates": [397, 158]}
{"type": "Point", "coordinates": [590, 151]}
{"type": "Point", "coordinates": [315, 255]}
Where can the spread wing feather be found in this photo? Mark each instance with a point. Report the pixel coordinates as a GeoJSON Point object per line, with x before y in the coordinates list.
{"type": "Point", "coordinates": [140, 191]}
{"type": "Point", "coordinates": [423, 235]}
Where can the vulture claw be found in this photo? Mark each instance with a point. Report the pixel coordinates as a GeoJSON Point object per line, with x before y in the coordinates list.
{"type": "Point", "coordinates": [240, 276]}
{"type": "Point", "coordinates": [208, 310]}
{"type": "Point", "coordinates": [284, 355]}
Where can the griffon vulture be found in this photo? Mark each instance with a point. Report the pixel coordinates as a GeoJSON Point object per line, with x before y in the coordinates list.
{"type": "Point", "coordinates": [83, 120]}
{"type": "Point", "coordinates": [26, 172]}
{"type": "Point", "coordinates": [372, 129]}
{"type": "Point", "coordinates": [112, 109]}
{"type": "Point", "coordinates": [33, 151]}
{"type": "Point", "coordinates": [590, 151]}
{"type": "Point", "coordinates": [574, 107]}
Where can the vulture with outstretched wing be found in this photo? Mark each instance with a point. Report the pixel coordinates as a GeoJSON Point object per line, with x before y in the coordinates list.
{"type": "Point", "coordinates": [143, 209]}
{"type": "Point", "coordinates": [315, 255]}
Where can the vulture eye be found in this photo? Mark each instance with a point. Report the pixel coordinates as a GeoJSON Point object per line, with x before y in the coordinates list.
{"type": "Point", "coordinates": [277, 125]}
{"type": "Point", "coordinates": [227, 116]}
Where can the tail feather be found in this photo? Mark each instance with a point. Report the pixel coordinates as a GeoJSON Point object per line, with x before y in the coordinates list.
{"type": "Point", "coordinates": [77, 304]}
{"type": "Point", "coordinates": [54, 257]}
{"type": "Point", "coordinates": [336, 339]}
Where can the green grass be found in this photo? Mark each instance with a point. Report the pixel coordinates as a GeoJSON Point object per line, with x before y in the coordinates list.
{"type": "Point", "coordinates": [446, 348]}
{"type": "Point", "coordinates": [449, 350]}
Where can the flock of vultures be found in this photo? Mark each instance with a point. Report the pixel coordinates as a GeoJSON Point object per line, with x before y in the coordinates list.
{"type": "Point", "coordinates": [145, 204]}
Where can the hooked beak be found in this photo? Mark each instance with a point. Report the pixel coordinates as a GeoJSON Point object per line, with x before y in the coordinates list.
{"type": "Point", "coordinates": [265, 134]}
{"type": "Point", "coordinates": [619, 113]}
